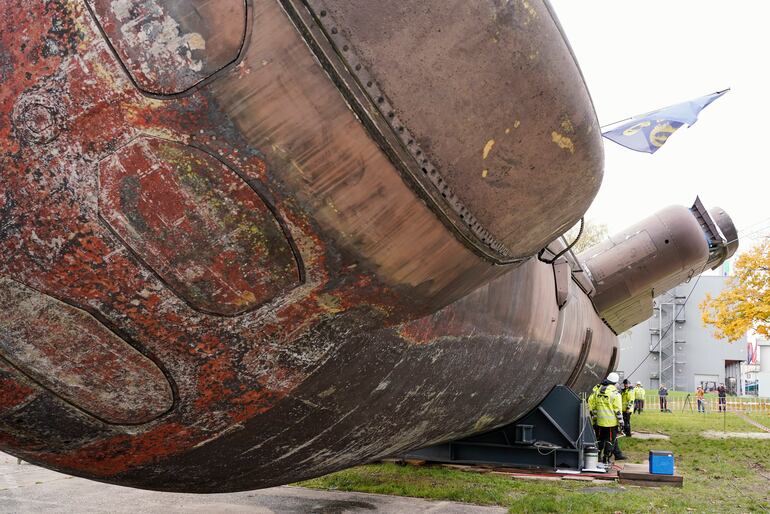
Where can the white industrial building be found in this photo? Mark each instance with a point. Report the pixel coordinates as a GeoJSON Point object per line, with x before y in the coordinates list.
{"type": "Point", "coordinates": [676, 349]}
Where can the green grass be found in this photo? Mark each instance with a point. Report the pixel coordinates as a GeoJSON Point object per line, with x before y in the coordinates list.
{"type": "Point", "coordinates": [720, 476]}
{"type": "Point", "coordinates": [763, 417]}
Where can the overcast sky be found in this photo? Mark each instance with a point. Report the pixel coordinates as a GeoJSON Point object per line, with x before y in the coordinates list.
{"type": "Point", "coordinates": [641, 56]}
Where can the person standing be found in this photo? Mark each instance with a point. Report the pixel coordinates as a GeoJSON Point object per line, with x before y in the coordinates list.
{"type": "Point", "coordinates": [722, 391]}
{"type": "Point", "coordinates": [628, 398]}
{"type": "Point", "coordinates": [663, 396]}
{"type": "Point", "coordinates": [639, 398]}
{"type": "Point", "coordinates": [699, 396]}
{"type": "Point", "coordinates": [606, 409]}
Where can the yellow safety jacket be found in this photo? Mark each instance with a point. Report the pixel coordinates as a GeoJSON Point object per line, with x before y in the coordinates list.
{"type": "Point", "coordinates": [605, 405]}
{"type": "Point", "coordinates": [628, 396]}
{"type": "Point", "coordinates": [639, 391]}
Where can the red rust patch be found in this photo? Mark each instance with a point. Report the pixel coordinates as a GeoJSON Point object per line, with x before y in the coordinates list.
{"type": "Point", "coordinates": [71, 354]}
{"type": "Point", "coordinates": [194, 221]}
{"type": "Point", "coordinates": [13, 392]}
{"type": "Point", "coordinates": [54, 238]}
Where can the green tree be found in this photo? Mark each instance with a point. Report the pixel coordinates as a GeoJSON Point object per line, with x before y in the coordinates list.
{"type": "Point", "coordinates": [745, 304]}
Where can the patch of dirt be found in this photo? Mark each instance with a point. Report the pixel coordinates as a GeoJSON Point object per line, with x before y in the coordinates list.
{"type": "Point", "coordinates": [752, 422]}
{"type": "Point", "coordinates": [649, 436]}
{"type": "Point", "coordinates": [714, 434]}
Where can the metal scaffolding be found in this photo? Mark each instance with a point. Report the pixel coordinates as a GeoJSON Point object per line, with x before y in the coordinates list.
{"type": "Point", "coordinates": [668, 320]}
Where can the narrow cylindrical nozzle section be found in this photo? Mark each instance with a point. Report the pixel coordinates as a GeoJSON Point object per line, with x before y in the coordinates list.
{"type": "Point", "coordinates": [656, 254]}
{"type": "Point", "coordinates": [729, 232]}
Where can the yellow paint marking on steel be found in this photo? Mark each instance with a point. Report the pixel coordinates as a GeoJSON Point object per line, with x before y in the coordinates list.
{"type": "Point", "coordinates": [484, 173]}
{"type": "Point", "coordinates": [488, 147]}
{"type": "Point", "coordinates": [531, 12]}
{"type": "Point", "coordinates": [483, 422]}
{"type": "Point", "coordinates": [330, 304]}
{"type": "Point", "coordinates": [563, 141]}
{"type": "Point", "coordinates": [196, 42]}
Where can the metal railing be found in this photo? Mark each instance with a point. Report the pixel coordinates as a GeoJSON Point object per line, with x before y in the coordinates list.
{"type": "Point", "coordinates": [711, 404]}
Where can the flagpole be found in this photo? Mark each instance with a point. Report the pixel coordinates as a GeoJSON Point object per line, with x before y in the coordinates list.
{"type": "Point", "coordinates": [653, 111]}
{"type": "Point", "coordinates": [620, 121]}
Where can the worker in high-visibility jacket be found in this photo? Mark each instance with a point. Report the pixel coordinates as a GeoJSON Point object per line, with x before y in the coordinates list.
{"type": "Point", "coordinates": [628, 397]}
{"type": "Point", "coordinates": [638, 398]}
{"type": "Point", "coordinates": [606, 408]}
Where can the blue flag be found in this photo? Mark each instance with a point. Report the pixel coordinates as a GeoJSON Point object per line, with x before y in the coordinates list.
{"type": "Point", "coordinates": [648, 132]}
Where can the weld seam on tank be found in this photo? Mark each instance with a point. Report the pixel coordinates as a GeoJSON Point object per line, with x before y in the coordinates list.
{"type": "Point", "coordinates": [421, 176]}
{"type": "Point", "coordinates": [585, 350]}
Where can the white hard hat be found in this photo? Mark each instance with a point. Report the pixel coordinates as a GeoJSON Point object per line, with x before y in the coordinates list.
{"type": "Point", "coordinates": [613, 377]}
{"type": "Point", "coordinates": [638, 383]}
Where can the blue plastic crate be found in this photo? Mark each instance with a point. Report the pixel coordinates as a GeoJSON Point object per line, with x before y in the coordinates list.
{"type": "Point", "coordinates": [661, 462]}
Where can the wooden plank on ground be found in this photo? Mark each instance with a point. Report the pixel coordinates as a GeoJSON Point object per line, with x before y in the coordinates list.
{"type": "Point", "coordinates": [633, 473]}
{"type": "Point", "coordinates": [649, 483]}
{"type": "Point", "coordinates": [536, 477]}
{"type": "Point", "coordinates": [472, 469]}
{"type": "Point", "coordinates": [650, 477]}
{"type": "Point", "coordinates": [577, 478]}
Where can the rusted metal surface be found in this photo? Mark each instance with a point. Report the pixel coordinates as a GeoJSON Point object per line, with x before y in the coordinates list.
{"type": "Point", "coordinates": [197, 224]}
{"type": "Point", "coordinates": [17, 392]}
{"type": "Point", "coordinates": [468, 368]}
{"type": "Point", "coordinates": [168, 47]}
{"type": "Point", "coordinates": [77, 358]}
{"type": "Point", "coordinates": [256, 250]}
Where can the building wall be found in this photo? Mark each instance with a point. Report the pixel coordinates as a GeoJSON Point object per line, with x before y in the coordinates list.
{"type": "Point", "coordinates": [699, 355]}
{"type": "Point", "coordinates": [763, 373]}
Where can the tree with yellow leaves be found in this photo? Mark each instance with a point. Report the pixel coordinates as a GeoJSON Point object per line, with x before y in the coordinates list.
{"type": "Point", "coordinates": [745, 305]}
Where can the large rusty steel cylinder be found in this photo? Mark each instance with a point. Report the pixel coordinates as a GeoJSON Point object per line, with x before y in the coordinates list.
{"type": "Point", "coordinates": [248, 242]}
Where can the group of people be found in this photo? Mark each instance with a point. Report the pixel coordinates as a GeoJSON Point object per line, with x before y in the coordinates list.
{"type": "Point", "coordinates": [610, 409]}
{"type": "Point", "coordinates": [700, 394]}
{"type": "Point", "coordinates": [721, 394]}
